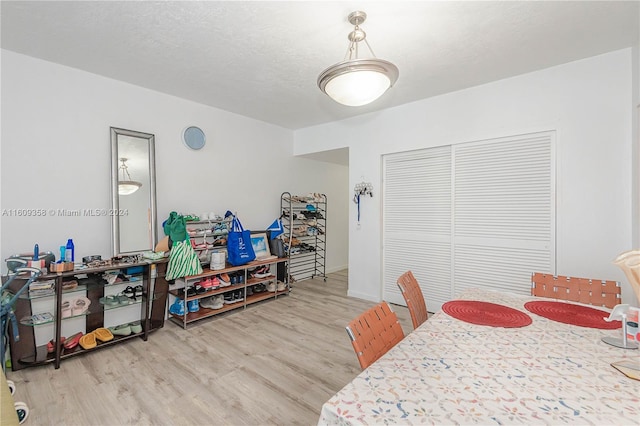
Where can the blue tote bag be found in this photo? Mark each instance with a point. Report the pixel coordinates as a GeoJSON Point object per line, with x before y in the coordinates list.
{"type": "Point", "coordinates": [239, 248]}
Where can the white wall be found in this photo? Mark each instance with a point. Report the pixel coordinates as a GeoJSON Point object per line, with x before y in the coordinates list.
{"type": "Point", "coordinates": [587, 102]}
{"type": "Point", "coordinates": [55, 154]}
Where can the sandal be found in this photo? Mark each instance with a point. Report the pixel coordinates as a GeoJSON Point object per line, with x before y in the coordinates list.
{"type": "Point", "coordinates": [51, 346]}
{"type": "Point", "coordinates": [121, 330]}
{"type": "Point", "coordinates": [88, 341]}
{"type": "Point", "coordinates": [80, 306]}
{"type": "Point", "coordinates": [138, 291]}
{"type": "Point", "coordinates": [110, 300]}
{"type": "Point", "coordinates": [66, 309]}
{"type": "Point", "coordinates": [73, 341]}
{"type": "Point", "coordinates": [103, 334]}
{"type": "Point", "coordinates": [136, 327]}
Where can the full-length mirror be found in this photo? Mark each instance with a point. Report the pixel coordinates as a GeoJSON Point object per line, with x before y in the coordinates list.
{"type": "Point", "coordinates": [133, 186]}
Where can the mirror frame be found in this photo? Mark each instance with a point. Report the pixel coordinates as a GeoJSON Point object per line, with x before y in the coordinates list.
{"type": "Point", "coordinates": [115, 203]}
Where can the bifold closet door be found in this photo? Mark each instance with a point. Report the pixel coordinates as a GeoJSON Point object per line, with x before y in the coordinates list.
{"type": "Point", "coordinates": [478, 214]}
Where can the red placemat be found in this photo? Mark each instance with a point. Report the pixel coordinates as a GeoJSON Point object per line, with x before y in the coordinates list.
{"type": "Point", "coordinates": [485, 313]}
{"type": "Point", "coordinates": [569, 313]}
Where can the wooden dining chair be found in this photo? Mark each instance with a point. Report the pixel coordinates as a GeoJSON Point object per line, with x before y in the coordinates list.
{"type": "Point", "coordinates": [583, 290]}
{"type": "Point", "coordinates": [413, 296]}
{"type": "Point", "coordinates": [374, 332]}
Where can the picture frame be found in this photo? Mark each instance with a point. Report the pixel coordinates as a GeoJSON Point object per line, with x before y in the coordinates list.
{"type": "Point", "coordinates": [260, 244]}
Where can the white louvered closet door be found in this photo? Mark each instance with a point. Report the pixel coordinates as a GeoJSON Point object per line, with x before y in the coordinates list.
{"type": "Point", "coordinates": [479, 214]}
{"type": "Point", "coordinates": [417, 222]}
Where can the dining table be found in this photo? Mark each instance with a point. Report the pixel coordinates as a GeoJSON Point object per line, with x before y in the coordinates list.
{"type": "Point", "coordinates": [536, 368]}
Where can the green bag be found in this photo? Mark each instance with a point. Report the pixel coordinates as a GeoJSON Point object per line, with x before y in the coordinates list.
{"type": "Point", "coordinates": [183, 261]}
{"type": "Point", "coordinates": [175, 227]}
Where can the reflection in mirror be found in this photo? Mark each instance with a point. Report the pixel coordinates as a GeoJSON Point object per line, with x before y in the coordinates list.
{"type": "Point", "coordinates": [133, 187]}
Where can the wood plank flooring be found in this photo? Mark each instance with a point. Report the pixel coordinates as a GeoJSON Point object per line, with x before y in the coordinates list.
{"type": "Point", "coordinates": [276, 362]}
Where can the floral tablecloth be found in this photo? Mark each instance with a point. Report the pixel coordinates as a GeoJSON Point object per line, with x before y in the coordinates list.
{"type": "Point", "coordinates": [452, 372]}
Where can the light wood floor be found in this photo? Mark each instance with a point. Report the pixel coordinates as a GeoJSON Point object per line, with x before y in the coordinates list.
{"type": "Point", "coordinates": [276, 362]}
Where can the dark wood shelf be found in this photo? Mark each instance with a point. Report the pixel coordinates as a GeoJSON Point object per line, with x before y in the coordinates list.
{"type": "Point", "coordinates": [24, 351]}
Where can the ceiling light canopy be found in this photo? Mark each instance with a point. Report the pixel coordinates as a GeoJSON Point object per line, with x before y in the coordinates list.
{"type": "Point", "coordinates": [354, 81]}
{"type": "Point", "coordinates": [126, 186]}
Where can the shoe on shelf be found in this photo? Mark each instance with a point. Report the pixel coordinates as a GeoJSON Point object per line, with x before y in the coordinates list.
{"type": "Point", "coordinates": [229, 298]}
{"type": "Point", "coordinates": [66, 309]}
{"type": "Point", "coordinates": [110, 301]}
{"type": "Point", "coordinates": [207, 302]}
{"type": "Point", "coordinates": [73, 341]}
{"type": "Point", "coordinates": [218, 302]}
{"type": "Point", "coordinates": [215, 283]}
{"type": "Point", "coordinates": [271, 287]}
{"type": "Point", "coordinates": [136, 327]}
{"type": "Point", "coordinates": [88, 341]}
{"type": "Point", "coordinates": [193, 305]}
{"type": "Point", "coordinates": [281, 286]}
{"type": "Point", "coordinates": [177, 308]}
{"type": "Point", "coordinates": [102, 334]}
{"type": "Point", "coordinates": [79, 306]}
{"type": "Point", "coordinates": [51, 346]}
{"type": "Point", "coordinates": [239, 296]}
{"type": "Point", "coordinates": [205, 283]}
{"type": "Point", "coordinates": [121, 330]}
{"type": "Point", "coordinates": [261, 272]}
{"type": "Point", "coordinates": [224, 280]}
{"type": "Point", "coordinates": [250, 291]}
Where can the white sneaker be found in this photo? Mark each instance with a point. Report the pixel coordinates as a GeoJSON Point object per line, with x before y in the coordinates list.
{"type": "Point", "coordinates": [271, 287]}
{"type": "Point", "coordinates": [281, 286]}
{"type": "Point", "coordinates": [218, 302]}
{"type": "Point", "coordinates": [207, 302]}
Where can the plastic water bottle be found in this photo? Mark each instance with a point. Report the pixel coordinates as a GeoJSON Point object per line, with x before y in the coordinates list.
{"type": "Point", "coordinates": [69, 252]}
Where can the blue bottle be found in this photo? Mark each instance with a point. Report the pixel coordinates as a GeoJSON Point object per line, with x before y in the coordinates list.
{"type": "Point", "coordinates": [69, 252]}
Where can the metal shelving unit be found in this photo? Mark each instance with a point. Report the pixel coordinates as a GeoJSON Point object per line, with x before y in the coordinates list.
{"type": "Point", "coordinates": [304, 219]}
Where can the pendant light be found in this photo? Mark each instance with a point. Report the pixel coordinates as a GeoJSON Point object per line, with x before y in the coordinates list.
{"type": "Point", "coordinates": [126, 186]}
{"type": "Point", "coordinates": [355, 81]}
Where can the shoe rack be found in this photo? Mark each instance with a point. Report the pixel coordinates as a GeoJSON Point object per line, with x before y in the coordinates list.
{"type": "Point", "coordinates": [245, 288]}
{"type": "Point", "coordinates": [208, 236]}
{"type": "Point", "coordinates": [304, 219]}
{"type": "Point", "coordinates": [85, 311]}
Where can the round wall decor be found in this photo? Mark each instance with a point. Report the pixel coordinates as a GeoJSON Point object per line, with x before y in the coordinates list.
{"type": "Point", "coordinates": [193, 137]}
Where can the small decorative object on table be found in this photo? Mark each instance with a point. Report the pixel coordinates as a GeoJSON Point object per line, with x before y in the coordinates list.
{"type": "Point", "coordinates": [61, 267]}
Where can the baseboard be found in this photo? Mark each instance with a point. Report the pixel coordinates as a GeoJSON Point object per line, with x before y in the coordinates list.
{"type": "Point", "coordinates": [363, 296]}
{"type": "Point", "coordinates": [336, 269]}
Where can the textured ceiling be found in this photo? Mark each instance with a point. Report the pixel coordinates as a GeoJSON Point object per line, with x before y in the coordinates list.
{"type": "Point", "coordinates": [262, 59]}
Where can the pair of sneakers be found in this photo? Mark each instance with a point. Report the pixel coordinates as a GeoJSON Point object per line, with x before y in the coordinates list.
{"type": "Point", "coordinates": [273, 287]}
{"type": "Point", "coordinates": [261, 272]}
{"type": "Point", "coordinates": [178, 307]}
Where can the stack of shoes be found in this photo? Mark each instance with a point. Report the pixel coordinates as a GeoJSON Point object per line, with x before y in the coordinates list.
{"type": "Point", "coordinates": [213, 302]}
